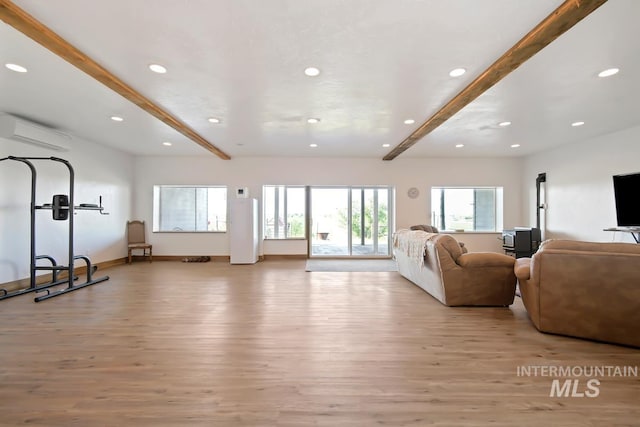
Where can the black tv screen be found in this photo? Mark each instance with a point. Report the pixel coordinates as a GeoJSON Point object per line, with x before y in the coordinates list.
{"type": "Point", "coordinates": [627, 193]}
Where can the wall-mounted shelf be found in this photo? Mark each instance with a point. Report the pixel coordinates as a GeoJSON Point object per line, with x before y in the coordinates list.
{"type": "Point", "coordinates": [635, 231]}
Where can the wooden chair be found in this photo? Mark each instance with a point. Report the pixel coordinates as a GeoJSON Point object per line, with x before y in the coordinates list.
{"type": "Point", "coordinates": [136, 239]}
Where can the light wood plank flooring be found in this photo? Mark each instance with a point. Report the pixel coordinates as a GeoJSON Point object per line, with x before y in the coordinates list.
{"type": "Point", "coordinates": [213, 344]}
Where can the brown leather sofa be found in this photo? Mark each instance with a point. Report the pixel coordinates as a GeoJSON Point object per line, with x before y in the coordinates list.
{"type": "Point", "coordinates": [437, 264]}
{"type": "Point", "coordinates": [583, 289]}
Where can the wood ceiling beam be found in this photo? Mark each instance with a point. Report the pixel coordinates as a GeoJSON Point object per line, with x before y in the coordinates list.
{"type": "Point", "coordinates": [32, 28]}
{"type": "Point", "coordinates": [553, 26]}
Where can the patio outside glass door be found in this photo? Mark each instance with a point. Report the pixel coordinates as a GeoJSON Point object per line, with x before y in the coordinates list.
{"type": "Point", "coordinates": [350, 221]}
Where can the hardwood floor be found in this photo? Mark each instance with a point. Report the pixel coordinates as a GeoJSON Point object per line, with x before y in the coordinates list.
{"type": "Point", "coordinates": [214, 344]}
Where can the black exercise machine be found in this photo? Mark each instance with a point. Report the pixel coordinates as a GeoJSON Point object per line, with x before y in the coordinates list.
{"type": "Point", "coordinates": [62, 208]}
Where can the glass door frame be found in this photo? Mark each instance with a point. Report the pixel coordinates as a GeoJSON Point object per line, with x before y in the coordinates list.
{"type": "Point", "coordinates": [349, 188]}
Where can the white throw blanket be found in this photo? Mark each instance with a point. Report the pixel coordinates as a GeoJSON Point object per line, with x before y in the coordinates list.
{"type": "Point", "coordinates": [412, 243]}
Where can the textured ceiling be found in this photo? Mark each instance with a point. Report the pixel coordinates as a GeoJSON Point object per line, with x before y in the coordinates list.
{"type": "Point", "coordinates": [381, 62]}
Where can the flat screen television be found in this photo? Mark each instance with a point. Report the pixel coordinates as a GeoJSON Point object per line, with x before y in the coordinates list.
{"type": "Point", "coordinates": [627, 193]}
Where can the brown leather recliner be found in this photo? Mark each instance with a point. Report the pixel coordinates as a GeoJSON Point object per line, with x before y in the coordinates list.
{"type": "Point", "coordinates": [583, 289]}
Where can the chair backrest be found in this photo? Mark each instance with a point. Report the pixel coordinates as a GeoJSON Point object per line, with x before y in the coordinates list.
{"type": "Point", "coordinates": [135, 232]}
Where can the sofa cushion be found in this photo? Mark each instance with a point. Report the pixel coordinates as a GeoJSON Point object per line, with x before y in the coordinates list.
{"type": "Point", "coordinates": [485, 259]}
{"type": "Point", "coordinates": [424, 227]}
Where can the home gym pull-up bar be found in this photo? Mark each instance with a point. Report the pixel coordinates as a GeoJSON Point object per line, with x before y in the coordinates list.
{"type": "Point", "coordinates": [62, 208]}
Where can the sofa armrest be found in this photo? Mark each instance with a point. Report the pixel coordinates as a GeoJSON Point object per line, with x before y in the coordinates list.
{"type": "Point", "coordinates": [522, 268]}
{"type": "Point", "coordinates": [484, 259]}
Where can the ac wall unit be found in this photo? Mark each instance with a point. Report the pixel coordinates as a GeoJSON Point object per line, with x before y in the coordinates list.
{"type": "Point", "coordinates": [32, 133]}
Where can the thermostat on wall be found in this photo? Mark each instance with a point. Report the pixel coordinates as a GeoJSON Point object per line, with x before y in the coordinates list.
{"type": "Point", "coordinates": [242, 193]}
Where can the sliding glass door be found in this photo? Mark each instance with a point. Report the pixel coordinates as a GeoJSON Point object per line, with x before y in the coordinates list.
{"type": "Point", "coordinates": [329, 221]}
{"type": "Point", "coordinates": [370, 221]}
{"type": "Point", "coordinates": [350, 221]}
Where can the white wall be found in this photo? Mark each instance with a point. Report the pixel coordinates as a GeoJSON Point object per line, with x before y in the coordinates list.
{"type": "Point", "coordinates": [579, 185]}
{"type": "Point", "coordinates": [579, 193]}
{"type": "Point", "coordinates": [99, 171]}
{"type": "Point", "coordinates": [256, 172]}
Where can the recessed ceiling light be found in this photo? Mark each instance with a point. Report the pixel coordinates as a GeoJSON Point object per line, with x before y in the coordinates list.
{"type": "Point", "coordinates": [608, 72]}
{"type": "Point", "coordinates": [459, 145]}
{"type": "Point", "coordinates": [168, 144]}
{"type": "Point", "coordinates": [515, 145]}
{"type": "Point", "coordinates": [311, 71]}
{"type": "Point", "coordinates": [15, 67]}
{"type": "Point", "coordinates": [213, 120]}
{"type": "Point", "coordinates": [117, 119]}
{"type": "Point", "coordinates": [504, 124]}
{"type": "Point", "coordinates": [457, 72]}
{"type": "Point", "coordinates": [157, 68]}
{"type": "Point", "coordinates": [313, 120]}
{"type": "Point", "coordinates": [576, 124]}
{"type": "Point", "coordinates": [386, 145]}
{"type": "Point", "coordinates": [409, 122]}
{"type": "Point", "coordinates": [313, 145]}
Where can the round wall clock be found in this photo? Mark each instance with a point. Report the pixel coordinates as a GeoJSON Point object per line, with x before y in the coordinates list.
{"type": "Point", "coordinates": [413, 192]}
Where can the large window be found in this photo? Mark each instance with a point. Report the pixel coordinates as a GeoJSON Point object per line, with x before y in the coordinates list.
{"type": "Point", "coordinates": [189, 208]}
{"type": "Point", "coordinates": [467, 209]}
{"type": "Point", "coordinates": [284, 212]}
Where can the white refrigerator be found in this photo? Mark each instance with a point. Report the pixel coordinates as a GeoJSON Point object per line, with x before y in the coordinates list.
{"type": "Point", "coordinates": [243, 231]}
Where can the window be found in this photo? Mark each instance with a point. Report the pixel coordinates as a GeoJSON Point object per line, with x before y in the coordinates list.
{"type": "Point", "coordinates": [284, 212]}
{"type": "Point", "coordinates": [189, 208]}
{"type": "Point", "coordinates": [467, 209]}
